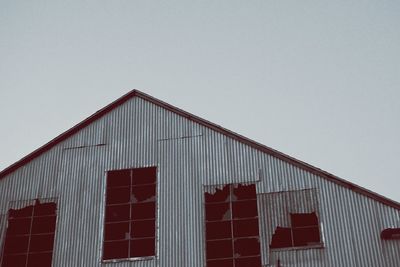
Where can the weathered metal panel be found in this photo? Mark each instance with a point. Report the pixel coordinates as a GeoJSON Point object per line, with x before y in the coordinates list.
{"type": "Point", "coordinates": [189, 156]}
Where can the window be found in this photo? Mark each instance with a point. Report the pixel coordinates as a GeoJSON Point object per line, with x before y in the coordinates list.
{"type": "Point", "coordinates": [304, 232]}
{"type": "Point", "coordinates": [232, 235]}
{"type": "Point", "coordinates": [30, 236]}
{"type": "Point", "coordinates": [390, 233]}
{"type": "Point", "coordinates": [130, 217]}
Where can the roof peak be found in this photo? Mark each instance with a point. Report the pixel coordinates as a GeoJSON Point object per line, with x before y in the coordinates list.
{"type": "Point", "coordinates": [137, 93]}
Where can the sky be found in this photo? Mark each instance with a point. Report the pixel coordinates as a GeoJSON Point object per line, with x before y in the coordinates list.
{"type": "Point", "coordinates": [317, 80]}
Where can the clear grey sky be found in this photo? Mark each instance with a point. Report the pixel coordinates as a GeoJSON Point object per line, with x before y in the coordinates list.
{"type": "Point", "coordinates": [318, 80]}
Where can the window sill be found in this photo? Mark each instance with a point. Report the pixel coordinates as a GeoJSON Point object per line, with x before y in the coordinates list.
{"type": "Point", "coordinates": [129, 259]}
{"type": "Point", "coordinates": [315, 246]}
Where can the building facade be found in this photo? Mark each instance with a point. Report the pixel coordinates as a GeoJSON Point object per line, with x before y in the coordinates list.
{"type": "Point", "coordinates": [142, 183]}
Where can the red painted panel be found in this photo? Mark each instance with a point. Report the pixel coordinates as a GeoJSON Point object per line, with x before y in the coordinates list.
{"type": "Point", "coordinates": [218, 249]}
{"type": "Point", "coordinates": [116, 250]}
{"type": "Point", "coordinates": [14, 260]}
{"type": "Point", "coordinates": [218, 212]}
{"type": "Point", "coordinates": [145, 228]}
{"type": "Point", "coordinates": [16, 244]}
{"type": "Point", "coordinates": [248, 262]}
{"type": "Point", "coordinates": [45, 209]}
{"type": "Point", "coordinates": [118, 178]}
{"type": "Point", "coordinates": [19, 226]}
{"type": "Point", "coordinates": [220, 263]}
{"type": "Point", "coordinates": [41, 243]}
{"type": "Point", "coordinates": [282, 238]}
{"type": "Point", "coordinates": [24, 212]}
{"type": "Point", "coordinates": [306, 236]}
{"type": "Point", "coordinates": [304, 219]}
{"type": "Point", "coordinates": [116, 231]}
{"type": "Point", "coordinates": [143, 210]}
{"type": "Point", "coordinates": [245, 227]}
{"type": "Point", "coordinates": [218, 230]}
{"type": "Point", "coordinates": [221, 195]}
{"type": "Point", "coordinates": [39, 259]}
{"type": "Point", "coordinates": [118, 195]}
{"type": "Point", "coordinates": [45, 224]}
{"type": "Point", "coordinates": [245, 209]}
{"type": "Point", "coordinates": [117, 213]}
{"type": "Point", "coordinates": [242, 192]}
{"type": "Point", "coordinates": [144, 175]}
{"type": "Point", "coordinates": [142, 247]}
{"type": "Point", "coordinates": [247, 246]}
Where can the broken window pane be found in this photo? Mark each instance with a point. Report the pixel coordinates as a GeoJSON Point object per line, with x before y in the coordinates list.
{"type": "Point", "coordinates": [142, 247]}
{"type": "Point", "coordinates": [40, 259]}
{"type": "Point", "coordinates": [306, 236]}
{"type": "Point", "coordinates": [303, 219]}
{"type": "Point", "coordinates": [242, 192]}
{"type": "Point", "coordinates": [220, 195]}
{"type": "Point", "coordinates": [144, 176]}
{"type": "Point", "coordinates": [246, 227]}
{"type": "Point", "coordinates": [143, 228]}
{"type": "Point", "coordinates": [116, 231]}
{"type": "Point", "coordinates": [41, 243]}
{"type": "Point", "coordinates": [116, 250]}
{"type": "Point", "coordinates": [117, 213]}
{"type": "Point", "coordinates": [245, 209]}
{"type": "Point", "coordinates": [219, 249]}
{"type": "Point", "coordinates": [282, 238]}
{"type": "Point", "coordinates": [218, 212]}
{"type": "Point", "coordinates": [46, 224]}
{"type": "Point", "coordinates": [247, 247]}
{"type": "Point", "coordinates": [14, 260]}
{"type": "Point", "coordinates": [118, 195]}
{"type": "Point", "coordinates": [218, 230]}
{"type": "Point", "coordinates": [144, 193]}
{"type": "Point", "coordinates": [118, 178]}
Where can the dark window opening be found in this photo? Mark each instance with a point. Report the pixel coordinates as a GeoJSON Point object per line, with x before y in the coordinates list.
{"type": "Point", "coordinates": [304, 231]}
{"type": "Point", "coordinates": [130, 219]}
{"type": "Point", "coordinates": [390, 233]}
{"type": "Point", "coordinates": [232, 234]}
{"type": "Point", "coordinates": [30, 236]}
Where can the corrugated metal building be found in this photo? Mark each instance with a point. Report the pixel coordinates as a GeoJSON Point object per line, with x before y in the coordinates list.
{"type": "Point", "coordinates": [142, 183]}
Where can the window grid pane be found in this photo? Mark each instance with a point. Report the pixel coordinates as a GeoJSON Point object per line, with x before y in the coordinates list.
{"type": "Point", "coordinates": [130, 214]}
{"type": "Point", "coordinates": [232, 235]}
{"type": "Point", "coordinates": [30, 235]}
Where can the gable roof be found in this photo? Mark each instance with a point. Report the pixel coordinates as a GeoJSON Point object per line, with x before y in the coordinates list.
{"type": "Point", "coordinates": [203, 122]}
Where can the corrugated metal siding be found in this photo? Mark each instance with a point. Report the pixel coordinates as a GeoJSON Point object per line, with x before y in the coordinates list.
{"type": "Point", "coordinates": [188, 156]}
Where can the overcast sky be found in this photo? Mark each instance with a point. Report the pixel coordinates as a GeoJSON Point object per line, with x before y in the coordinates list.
{"type": "Point", "coordinates": [317, 80]}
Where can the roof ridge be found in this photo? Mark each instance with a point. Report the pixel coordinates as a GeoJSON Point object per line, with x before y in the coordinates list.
{"type": "Point", "coordinates": [137, 93]}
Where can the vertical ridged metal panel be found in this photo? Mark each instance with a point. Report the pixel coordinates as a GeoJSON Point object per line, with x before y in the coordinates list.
{"type": "Point", "coordinates": [188, 157]}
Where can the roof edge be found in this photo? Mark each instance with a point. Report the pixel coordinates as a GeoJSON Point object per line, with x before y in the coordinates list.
{"type": "Point", "coordinates": [208, 124]}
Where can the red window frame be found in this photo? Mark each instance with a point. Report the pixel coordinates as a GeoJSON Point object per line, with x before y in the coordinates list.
{"type": "Point", "coordinates": [30, 235]}
{"type": "Point", "coordinates": [232, 226]}
{"type": "Point", "coordinates": [130, 214]}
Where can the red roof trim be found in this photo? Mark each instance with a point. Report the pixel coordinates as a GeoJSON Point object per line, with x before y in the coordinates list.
{"type": "Point", "coordinates": [207, 124]}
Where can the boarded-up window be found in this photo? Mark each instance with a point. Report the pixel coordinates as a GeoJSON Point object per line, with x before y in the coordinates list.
{"type": "Point", "coordinates": [130, 217]}
{"type": "Point", "coordinates": [30, 236]}
{"type": "Point", "coordinates": [232, 235]}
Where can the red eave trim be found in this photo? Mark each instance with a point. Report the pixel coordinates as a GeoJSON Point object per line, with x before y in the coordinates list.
{"type": "Point", "coordinates": [215, 127]}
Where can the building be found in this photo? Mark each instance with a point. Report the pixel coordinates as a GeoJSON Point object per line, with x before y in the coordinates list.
{"type": "Point", "coordinates": [142, 183]}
